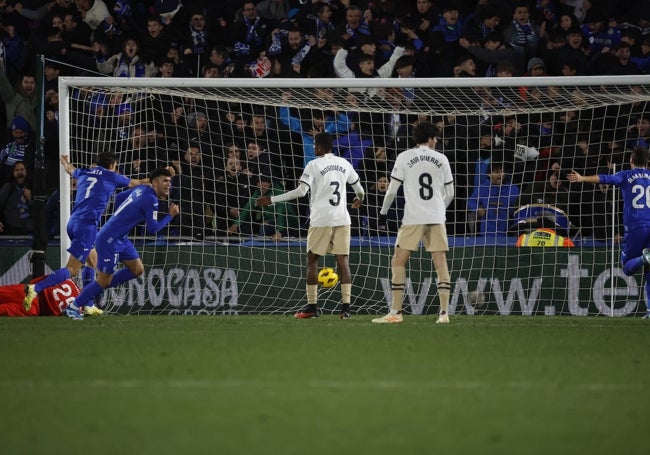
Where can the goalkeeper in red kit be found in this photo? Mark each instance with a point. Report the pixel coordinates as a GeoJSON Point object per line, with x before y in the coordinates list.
{"type": "Point", "coordinates": [50, 302]}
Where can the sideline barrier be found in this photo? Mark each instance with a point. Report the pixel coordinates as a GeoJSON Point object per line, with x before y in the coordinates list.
{"type": "Point", "coordinates": [244, 284]}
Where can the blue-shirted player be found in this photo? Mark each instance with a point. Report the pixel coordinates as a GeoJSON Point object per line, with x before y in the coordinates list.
{"type": "Point", "coordinates": [140, 205]}
{"type": "Point", "coordinates": [95, 186]}
{"type": "Point", "coordinates": [635, 189]}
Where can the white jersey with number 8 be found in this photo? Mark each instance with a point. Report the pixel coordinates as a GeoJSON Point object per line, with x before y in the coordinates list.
{"type": "Point", "coordinates": [423, 172]}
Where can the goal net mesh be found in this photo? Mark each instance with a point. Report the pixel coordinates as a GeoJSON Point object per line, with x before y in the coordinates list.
{"type": "Point", "coordinates": [510, 142]}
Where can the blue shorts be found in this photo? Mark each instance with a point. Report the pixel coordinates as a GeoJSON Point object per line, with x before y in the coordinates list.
{"type": "Point", "coordinates": [82, 239]}
{"type": "Point", "coordinates": [111, 254]}
{"type": "Point", "coordinates": [634, 243]}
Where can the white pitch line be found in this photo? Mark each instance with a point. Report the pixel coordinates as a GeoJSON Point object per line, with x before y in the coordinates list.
{"type": "Point", "coordinates": [339, 385]}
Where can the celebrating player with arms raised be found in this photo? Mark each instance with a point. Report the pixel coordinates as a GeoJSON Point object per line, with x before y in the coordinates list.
{"type": "Point", "coordinates": [95, 186]}
{"type": "Point", "coordinates": [139, 205]}
{"type": "Point", "coordinates": [635, 189]}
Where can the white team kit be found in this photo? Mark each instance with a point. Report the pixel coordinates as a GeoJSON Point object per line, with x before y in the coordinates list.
{"type": "Point", "coordinates": [425, 173]}
{"type": "Point", "coordinates": [327, 177]}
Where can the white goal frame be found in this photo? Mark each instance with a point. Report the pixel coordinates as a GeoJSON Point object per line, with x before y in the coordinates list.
{"type": "Point", "coordinates": [205, 85]}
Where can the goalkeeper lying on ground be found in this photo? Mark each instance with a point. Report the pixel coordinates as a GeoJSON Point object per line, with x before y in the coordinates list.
{"type": "Point", "coordinates": [50, 302]}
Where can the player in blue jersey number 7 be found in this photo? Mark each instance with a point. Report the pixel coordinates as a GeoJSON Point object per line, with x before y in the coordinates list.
{"type": "Point", "coordinates": [136, 206]}
{"type": "Point", "coordinates": [95, 186]}
{"type": "Point", "coordinates": [635, 189]}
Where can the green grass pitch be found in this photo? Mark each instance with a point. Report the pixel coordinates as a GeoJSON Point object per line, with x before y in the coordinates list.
{"type": "Point", "coordinates": [275, 385]}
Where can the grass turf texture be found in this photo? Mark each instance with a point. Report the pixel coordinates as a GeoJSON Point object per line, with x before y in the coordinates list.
{"type": "Point", "coordinates": [275, 385]}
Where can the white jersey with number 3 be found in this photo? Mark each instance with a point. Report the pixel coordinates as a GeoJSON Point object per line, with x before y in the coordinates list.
{"type": "Point", "coordinates": [327, 177]}
{"type": "Point", "coordinates": [424, 172]}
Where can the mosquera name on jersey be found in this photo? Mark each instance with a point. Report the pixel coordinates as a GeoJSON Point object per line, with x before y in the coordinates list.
{"type": "Point", "coordinates": [327, 177]}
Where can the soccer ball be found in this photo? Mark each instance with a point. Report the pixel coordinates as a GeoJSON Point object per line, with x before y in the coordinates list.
{"type": "Point", "coordinates": [476, 298]}
{"type": "Point", "coordinates": [327, 277]}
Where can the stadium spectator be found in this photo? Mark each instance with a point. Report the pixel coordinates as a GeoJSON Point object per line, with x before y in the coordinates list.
{"type": "Point", "coordinates": [196, 42]}
{"type": "Point", "coordinates": [219, 56]}
{"type": "Point", "coordinates": [257, 162]}
{"type": "Point", "coordinates": [194, 186]}
{"type": "Point", "coordinates": [199, 131]}
{"type": "Point", "coordinates": [20, 101]}
{"type": "Point", "coordinates": [585, 159]}
{"type": "Point", "coordinates": [485, 21]}
{"type": "Point", "coordinates": [315, 121]}
{"type": "Point", "coordinates": [535, 67]}
{"type": "Point", "coordinates": [553, 30]}
{"type": "Point", "coordinates": [375, 164]}
{"type": "Point", "coordinates": [616, 62]}
{"type": "Point", "coordinates": [210, 70]}
{"type": "Point", "coordinates": [276, 221]}
{"type": "Point", "coordinates": [433, 60]}
{"type": "Point", "coordinates": [14, 35]}
{"type": "Point", "coordinates": [523, 36]}
{"type": "Point", "coordinates": [18, 149]}
{"type": "Point", "coordinates": [274, 11]}
{"type": "Point", "coordinates": [233, 189]}
{"type": "Point", "coordinates": [492, 205]}
{"type": "Point", "coordinates": [289, 50]}
{"type": "Point", "coordinates": [142, 153]}
{"type": "Point", "coordinates": [450, 25]}
{"type": "Point", "coordinates": [115, 122]}
{"type": "Point", "coordinates": [15, 203]}
{"type": "Point", "coordinates": [426, 16]}
{"type": "Point", "coordinates": [93, 12]}
{"type": "Point", "coordinates": [639, 132]}
{"type": "Point", "coordinates": [599, 32]}
{"type": "Point", "coordinates": [165, 67]}
{"type": "Point", "coordinates": [181, 68]}
{"type": "Point", "coordinates": [76, 32]}
{"type": "Point", "coordinates": [546, 13]}
{"type": "Point", "coordinates": [128, 62]}
{"type": "Point", "coordinates": [316, 21]}
{"type": "Point", "coordinates": [488, 56]}
{"type": "Point", "coordinates": [365, 68]}
{"type": "Point", "coordinates": [465, 66]}
{"type": "Point", "coordinates": [51, 72]}
{"type": "Point", "coordinates": [354, 27]}
{"type": "Point", "coordinates": [249, 34]}
{"type": "Point", "coordinates": [571, 52]}
{"type": "Point", "coordinates": [156, 41]}
{"type": "Point", "coordinates": [376, 223]}
{"type": "Point", "coordinates": [505, 68]}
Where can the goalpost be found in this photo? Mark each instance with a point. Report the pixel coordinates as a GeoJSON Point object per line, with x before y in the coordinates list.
{"type": "Point", "coordinates": [219, 257]}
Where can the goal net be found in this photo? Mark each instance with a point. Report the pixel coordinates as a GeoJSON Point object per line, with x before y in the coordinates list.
{"type": "Point", "coordinates": [510, 142]}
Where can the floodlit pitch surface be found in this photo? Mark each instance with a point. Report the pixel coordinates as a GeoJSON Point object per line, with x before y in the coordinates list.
{"type": "Point", "coordinates": [275, 385]}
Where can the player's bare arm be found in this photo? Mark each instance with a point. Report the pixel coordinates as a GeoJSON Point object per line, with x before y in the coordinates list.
{"type": "Point", "coordinates": [574, 176]}
{"type": "Point", "coordinates": [67, 166]}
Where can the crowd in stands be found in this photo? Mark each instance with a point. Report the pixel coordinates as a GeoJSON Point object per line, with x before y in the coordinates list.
{"type": "Point", "coordinates": [225, 155]}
